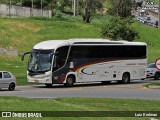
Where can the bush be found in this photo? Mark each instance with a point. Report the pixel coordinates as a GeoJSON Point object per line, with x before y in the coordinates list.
{"type": "Point", "coordinates": [60, 17]}
{"type": "Point", "coordinates": [64, 17]}
{"type": "Point", "coordinates": [120, 29]}
{"type": "Point", "coordinates": [121, 8]}
{"type": "Point", "coordinates": [59, 14]}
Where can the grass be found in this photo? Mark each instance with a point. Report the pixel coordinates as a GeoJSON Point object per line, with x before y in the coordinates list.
{"type": "Point", "coordinates": [79, 104]}
{"type": "Point", "coordinates": [153, 84]}
{"type": "Point", "coordinates": [151, 36]}
{"type": "Point", "coordinates": [23, 34]}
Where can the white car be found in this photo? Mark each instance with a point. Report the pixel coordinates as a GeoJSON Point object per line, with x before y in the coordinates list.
{"type": "Point", "coordinates": [153, 72]}
{"type": "Point", "coordinates": [7, 80]}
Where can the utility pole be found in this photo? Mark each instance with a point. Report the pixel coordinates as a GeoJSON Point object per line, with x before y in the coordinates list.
{"type": "Point", "coordinates": [42, 7]}
{"type": "Point", "coordinates": [52, 5]}
{"type": "Point", "coordinates": [32, 4]}
{"type": "Point", "coordinates": [10, 3]}
{"type": "Point", "coordinates": [32, 9]}
{"type": "Point", "coordinates": [77, 7]}
{"type": "Point", "coordinates": [74, 11]}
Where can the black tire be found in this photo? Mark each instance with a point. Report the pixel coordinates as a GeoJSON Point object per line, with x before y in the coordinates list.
{"type": "Point", "coordinates": [70, 81]}
{"type": "Point", "coordinates": [157, 76]}
{"type": "Point", "coordinates": [105, 82]}
{"type": "Point", "coordinates": [48, 85]}
{"type": "Point", "coordinates": [125, 78]}
{"type": "Point", "coordinates": [11, 87]}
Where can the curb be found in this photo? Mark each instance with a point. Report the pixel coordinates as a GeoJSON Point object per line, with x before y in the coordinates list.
{"type": "Point", "coordinates": [154, 87]}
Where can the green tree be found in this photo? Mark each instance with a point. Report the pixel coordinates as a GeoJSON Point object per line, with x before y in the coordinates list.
{"type": "Point", "coordinates": [120, 29]}
{"type": "Point", "coordinates": [121, 8]}
{"type": "Point", "coordinates": [90, 7]}
{"type": "Point", "coordinates": [36, 3]}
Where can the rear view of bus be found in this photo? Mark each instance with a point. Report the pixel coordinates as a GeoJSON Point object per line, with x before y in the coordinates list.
{"type": "Point", "coordinates": [86, 60]}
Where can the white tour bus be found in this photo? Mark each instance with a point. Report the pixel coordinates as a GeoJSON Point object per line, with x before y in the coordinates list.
{"type": "Point", "coordinates": [86, 60]}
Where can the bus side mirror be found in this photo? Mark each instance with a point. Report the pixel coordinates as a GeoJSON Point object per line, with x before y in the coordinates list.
{"type": "Point", "coordinates": [25, 53]}
{"type": "Point", "coordinates": [71, 65]}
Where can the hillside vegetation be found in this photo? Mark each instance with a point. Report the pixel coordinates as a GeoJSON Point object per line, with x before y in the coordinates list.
{"type": "Point", "coordinates": [23, 34]}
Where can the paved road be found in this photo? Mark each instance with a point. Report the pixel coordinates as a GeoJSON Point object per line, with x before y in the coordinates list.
{"type": "Point", "coordinates": [134, 90]}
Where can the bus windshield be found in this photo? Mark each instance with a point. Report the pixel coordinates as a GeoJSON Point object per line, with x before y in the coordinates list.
{"type": "Point", "coordinates": [40, 60]}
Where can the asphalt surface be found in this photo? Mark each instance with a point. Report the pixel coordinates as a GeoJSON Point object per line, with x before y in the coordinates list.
{"type": "Point", "coordinates": [134, 90]}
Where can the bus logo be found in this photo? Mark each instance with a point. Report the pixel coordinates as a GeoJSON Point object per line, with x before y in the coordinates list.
{"type": "Point", "coordinates": [6, 114]}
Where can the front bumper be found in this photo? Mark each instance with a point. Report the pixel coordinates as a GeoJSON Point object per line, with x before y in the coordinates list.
{"type": "Point", "coordinates": [39, 80]}
{"type": "Point", "coordinates": [150, 75]}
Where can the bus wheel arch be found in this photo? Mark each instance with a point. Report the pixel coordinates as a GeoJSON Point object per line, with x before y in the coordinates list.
{"type": "Point", "coordinates": [71, 79]}
{"type": "Point", "coordinates": [125, 78]}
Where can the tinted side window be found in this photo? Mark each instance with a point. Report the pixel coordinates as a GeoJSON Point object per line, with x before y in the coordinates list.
{"type": "Point", "coordinates": [78, 52]}
{"type": "Point", "coordinates": [127, 51]}
{"type": "Point", "coordinates": [6, 75]}
{"type": "Point", "coordinates": [0, 75]}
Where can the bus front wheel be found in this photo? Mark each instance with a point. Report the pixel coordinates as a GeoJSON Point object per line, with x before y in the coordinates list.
{"type": "Point", "coordinates": [70, 81]}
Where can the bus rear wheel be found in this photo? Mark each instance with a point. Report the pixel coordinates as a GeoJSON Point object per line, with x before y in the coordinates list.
{"type": "Point", "coordinates": [125, 78]}
{"type": "Point", "coordinates": [70, 81]}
